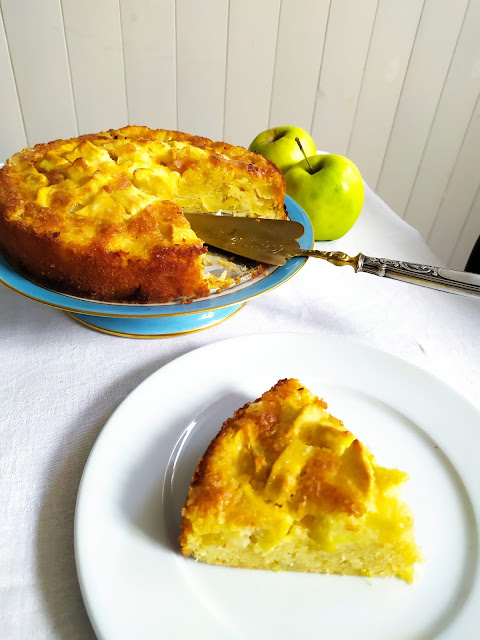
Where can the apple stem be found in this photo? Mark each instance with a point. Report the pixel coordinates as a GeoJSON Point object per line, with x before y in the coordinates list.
{"type": "Point", "coordinates": [297, 140]}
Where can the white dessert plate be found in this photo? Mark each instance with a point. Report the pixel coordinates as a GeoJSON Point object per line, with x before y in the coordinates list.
{"type": "Point", "coordinates": [136, 584]}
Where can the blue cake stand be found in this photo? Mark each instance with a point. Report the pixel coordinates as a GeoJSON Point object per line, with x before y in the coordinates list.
{"type": "Point", "coordinates": [163, 320]}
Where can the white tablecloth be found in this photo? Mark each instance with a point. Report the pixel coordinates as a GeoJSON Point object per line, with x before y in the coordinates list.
{"type": "Point", "coordinates": [60, 382]}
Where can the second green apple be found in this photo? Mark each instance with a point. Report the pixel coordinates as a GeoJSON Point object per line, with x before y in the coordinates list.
{"type": "Point", "coordinates": [279, 146]}
{"type": "Point", "coordinates": [329, 188]}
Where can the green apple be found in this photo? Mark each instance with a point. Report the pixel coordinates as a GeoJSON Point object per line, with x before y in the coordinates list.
{"type": "Point", "coordinates": [279, 146]}
{"type": "Point", "coordinates": [329, 188]}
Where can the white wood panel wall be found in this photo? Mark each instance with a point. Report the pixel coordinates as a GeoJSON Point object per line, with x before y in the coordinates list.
{"type": "Point", "coordinates": [149, 34]}
{"type": "Point", "coordinates": [393, 85]}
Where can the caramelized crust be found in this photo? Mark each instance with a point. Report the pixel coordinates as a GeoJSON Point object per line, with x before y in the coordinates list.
{"type": "Point", "coordinates": [285, 486]}
{"type": "Point", "coordinates": [101, 215]}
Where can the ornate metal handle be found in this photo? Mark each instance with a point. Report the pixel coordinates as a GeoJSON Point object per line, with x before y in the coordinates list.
{"type": "Point", "coordinates": [338, 258]}
{"type": "Point", "coordinates": [460, 282]}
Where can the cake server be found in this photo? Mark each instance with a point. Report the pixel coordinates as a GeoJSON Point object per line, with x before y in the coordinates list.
{"type": "Point", "coordinates": [275, 241]}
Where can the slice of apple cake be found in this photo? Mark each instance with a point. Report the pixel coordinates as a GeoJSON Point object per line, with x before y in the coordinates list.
{"type": "Point", "coordinates": [285, 486]}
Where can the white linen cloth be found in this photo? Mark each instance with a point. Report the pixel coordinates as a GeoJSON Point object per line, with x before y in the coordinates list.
{"type": "Point", "coordinates": [60, 382]}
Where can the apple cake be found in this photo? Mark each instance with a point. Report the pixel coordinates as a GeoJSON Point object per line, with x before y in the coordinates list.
{"type": "Point", "coordinates": [285, 486]}
{"type": "Point", "coordinates": [100, 216]}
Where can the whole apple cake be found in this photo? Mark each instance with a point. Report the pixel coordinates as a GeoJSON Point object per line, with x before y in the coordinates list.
{"type": "Point", "coordinates": [100, 216]}
{"type": "Point", "coordinates": [285, 486]}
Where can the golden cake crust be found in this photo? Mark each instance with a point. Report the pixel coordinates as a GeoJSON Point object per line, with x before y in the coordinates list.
{"type": "Point", "coordinates": [284, 485]}
{"type": "Point", "coordinates": [101, 215]}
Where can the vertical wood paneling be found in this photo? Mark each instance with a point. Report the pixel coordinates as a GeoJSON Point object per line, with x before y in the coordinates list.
{"type": "Point", "coordinates": [346, 46]}
{"type": "Point", "coordinates": [449, 126]}
{"type": "Point", "coordinates": [39, 59]}
{"type": "Point", "coordinates": [201, 61]}
{"type": "Point", "coordinates": [12, 137]}
{"type": "Point", "coordinates": [434, 46]}
{"type": "Point", "coordinates": [449, 226]}
{"type": "Point", "coordinates": [301, 35]}
{"type": "Point", "coordinates": [148, 28]}
{"type": "Point", "coordinates": [252, 37]}
{"type": "Point", "coordinates": [392, 40]}
{"type": "Point", "coordinates": [94, 40]}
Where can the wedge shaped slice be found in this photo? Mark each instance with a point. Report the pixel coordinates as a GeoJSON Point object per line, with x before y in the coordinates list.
{"type": "Point", "coordinates": [285, 486]}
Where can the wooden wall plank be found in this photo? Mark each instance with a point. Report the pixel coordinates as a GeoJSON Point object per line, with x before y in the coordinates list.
{"type": "Point", "coordinates": [392, 40]}
{"type": "Point", "coordinates": [468, 237]}
{"type": "Point", "coordinates": [348, 36]}
{"type": "Point", "coordinates": [252, 37]}
{"type": "Point", "coordinates": [301, 36]}
{"type": "Point", "coordinates": [437, 35]}
{"type": "Point", "coordinates": [148, 28]}
{"type": "Point", "coordinates": [41, 68]}
{"type": "Point", "coordinates": [12, 137]}
{"type": "Point", "coordinates": [94, 40]}
{"type": "Point", "coordinates": [448, 237]}
{"type": "Point", "coordinates": [201, 63]}
{"type": "Point", "coordinates": [448, 129]}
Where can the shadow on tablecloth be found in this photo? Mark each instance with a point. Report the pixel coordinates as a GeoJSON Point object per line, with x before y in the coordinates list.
{"type": "Point", "coordinates": [57, 575]}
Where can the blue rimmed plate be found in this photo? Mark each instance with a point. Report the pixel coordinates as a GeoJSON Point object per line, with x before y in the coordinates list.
{"type": "Point", "coordinates": [161, 320]}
